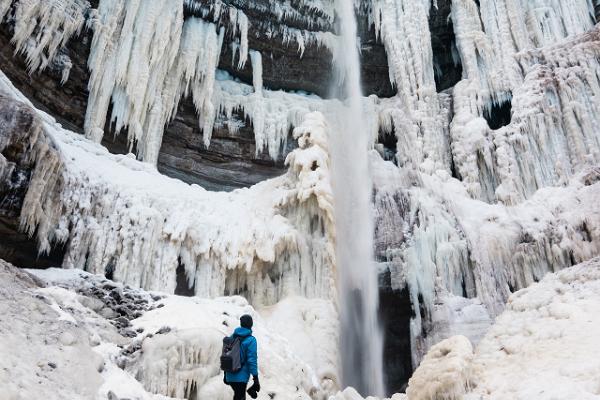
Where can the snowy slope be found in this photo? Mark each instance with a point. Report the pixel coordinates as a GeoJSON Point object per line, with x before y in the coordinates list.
{"type": "Point", "coordinates": [545, 346]}
{"type": "Point", "coordinates": [84, 336]}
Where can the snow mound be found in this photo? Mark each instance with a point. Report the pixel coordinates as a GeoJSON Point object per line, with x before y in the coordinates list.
{"type": "Point", "coordinates": [444, 373]}
{"type": "Point", "coordinates": [352, 394]}
{"type": "Point", "coordinates": [545, 345]}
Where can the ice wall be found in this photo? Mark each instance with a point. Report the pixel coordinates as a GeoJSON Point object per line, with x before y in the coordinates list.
{"type": "Point", "coordinates": [544, 144]}
{"type": "Point", "coordinates": [114, 213]}
{"type": "Point", "coordinates": [473, 213]}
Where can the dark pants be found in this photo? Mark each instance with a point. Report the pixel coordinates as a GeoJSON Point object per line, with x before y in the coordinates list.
{"type": "Point", "coordinates": [239, 390]}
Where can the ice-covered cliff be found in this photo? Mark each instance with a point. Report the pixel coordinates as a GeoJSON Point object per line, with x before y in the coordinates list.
{"type": "Point", "coordinates": [482, 118]}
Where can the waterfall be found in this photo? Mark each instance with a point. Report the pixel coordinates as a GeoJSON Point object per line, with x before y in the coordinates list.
{"type": "Point", "coordinates": [361, 337]}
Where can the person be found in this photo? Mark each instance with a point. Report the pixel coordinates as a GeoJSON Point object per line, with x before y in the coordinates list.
{"type": "Point", "coordinates": [249, 347]}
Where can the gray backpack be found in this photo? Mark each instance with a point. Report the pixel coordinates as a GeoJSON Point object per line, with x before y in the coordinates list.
{"type": "Point", "coordinates": [231, 355]}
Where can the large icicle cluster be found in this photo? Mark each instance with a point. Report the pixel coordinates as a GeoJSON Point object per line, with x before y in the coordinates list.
{"type": "Point", "coordinates": [460, 257]}
{"type": "Point", "coordinates": [416, 114]}
{"type": "Point", "coordinates": [143, 79]}
{"type": "Point", "coordinates": [144, 83]}
{"type": "Point", "coordinates": [116, 214]}
{"type": "Point", "coordinates": [467, 243]}
{"type": "Point", "coordinates": [545, 143]}
{"type": "Point", "coordinates": [42, 29]}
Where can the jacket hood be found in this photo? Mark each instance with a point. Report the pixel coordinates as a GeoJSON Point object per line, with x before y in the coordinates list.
{"type": "Point", "coordinates": [243, 332]}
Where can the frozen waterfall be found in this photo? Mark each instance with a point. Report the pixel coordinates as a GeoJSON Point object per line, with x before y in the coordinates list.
{"type": "Point", "coordinates": [361, 337]}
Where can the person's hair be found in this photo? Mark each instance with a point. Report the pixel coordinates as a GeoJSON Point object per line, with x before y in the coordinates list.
{"type": "Point", "coordinates": [246, 321]}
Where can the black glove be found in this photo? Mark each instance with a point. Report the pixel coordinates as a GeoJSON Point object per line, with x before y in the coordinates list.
{"type": "Point", "coordinates": [255, 388]}
{"type": "Point", "coordinates": [251, 392]}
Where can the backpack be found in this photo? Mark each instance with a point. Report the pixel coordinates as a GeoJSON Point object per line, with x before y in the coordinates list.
{"type": "Point", "coordinates": [231, 354]}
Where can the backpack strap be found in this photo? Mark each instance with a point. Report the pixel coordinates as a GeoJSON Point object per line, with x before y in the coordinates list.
{"type": "Point", "coordinates": [242, 349]}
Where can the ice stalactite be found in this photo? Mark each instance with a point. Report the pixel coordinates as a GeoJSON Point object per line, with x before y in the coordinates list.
{"type": "Point", "coordinates": [461, 258]}
{"type": "Point", "coordinates": [273, 114]}
{"type": "Point", "coordinates": [239, 21]}
{"type": "Point", "coordinates": [257, 71]}
{"type": "Point", "coordinates": [131, 69]}
{"type": "Point", "coordinates": [415, 113]}
{"type": "Point", "coordinates": [4, 8]}
{"type": "Point", "coordinates": [43, 28]}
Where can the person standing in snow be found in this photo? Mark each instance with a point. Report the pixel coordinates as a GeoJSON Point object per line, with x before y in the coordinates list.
{"type": "Point", "coordinates": [248, 349]}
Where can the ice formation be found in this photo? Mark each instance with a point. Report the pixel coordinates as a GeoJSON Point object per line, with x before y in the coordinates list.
{"type": "Point", "coordinates": [185, 362]}
{"type": "Point", "coordinates": [544, 345]}
{"type": "Point", "coordinates": [469, 214]}
{"type": "Point", "coordinates": [545, 142]}
{"type": "Point", "coordinates": [457, 247]}
{"type": "Point", "coordinates": [444, 372]}
{"type": "Point", "coordinates": [99, 205]}
{"type": "Point", "coordinates": [42, 29]}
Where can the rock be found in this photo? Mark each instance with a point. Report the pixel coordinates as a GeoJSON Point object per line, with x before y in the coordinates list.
{"type": "Point", "coordinates": [163, 330]}
{"type": "Point", "coordinates": [112, 396]}
{"type": "Point", "coordinates": [92, 303]}
{"type": "Point", "coordinates": [52, 365]}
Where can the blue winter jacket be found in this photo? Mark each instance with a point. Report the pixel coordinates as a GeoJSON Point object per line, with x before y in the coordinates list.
{"type": "Point", "coordinates": [249, 349]}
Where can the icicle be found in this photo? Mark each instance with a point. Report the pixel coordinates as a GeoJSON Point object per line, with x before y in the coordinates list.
{"type": "Point", "coordinates": [242, 26]}
{"type": "Point", "coordinates": [42, 29]}
{"type": "Point", "coordinates": [257, 71]}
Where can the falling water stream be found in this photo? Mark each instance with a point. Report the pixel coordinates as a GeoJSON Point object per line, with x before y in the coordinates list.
{"type": "Point", "coordinates": [361, 337]}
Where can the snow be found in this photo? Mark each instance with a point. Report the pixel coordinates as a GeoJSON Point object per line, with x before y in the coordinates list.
{"type": "Point", "coordinates": [52, 352]}
{"type": "Point", "coordinates": [545, 345]}
{"type": "Point", "coordinates": [183, 360]}
{"type": "Point", "coordinates": [444, 373]}
{"type": "Point", "coordinates": [188, 356]}
{"type": "Point", "coordinates": [91, 359]}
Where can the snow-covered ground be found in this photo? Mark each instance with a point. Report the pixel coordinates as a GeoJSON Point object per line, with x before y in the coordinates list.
{"type": "Point", "coordinates": [546, 345]}
{"type": "Point", "coordinates": [85, 337]}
